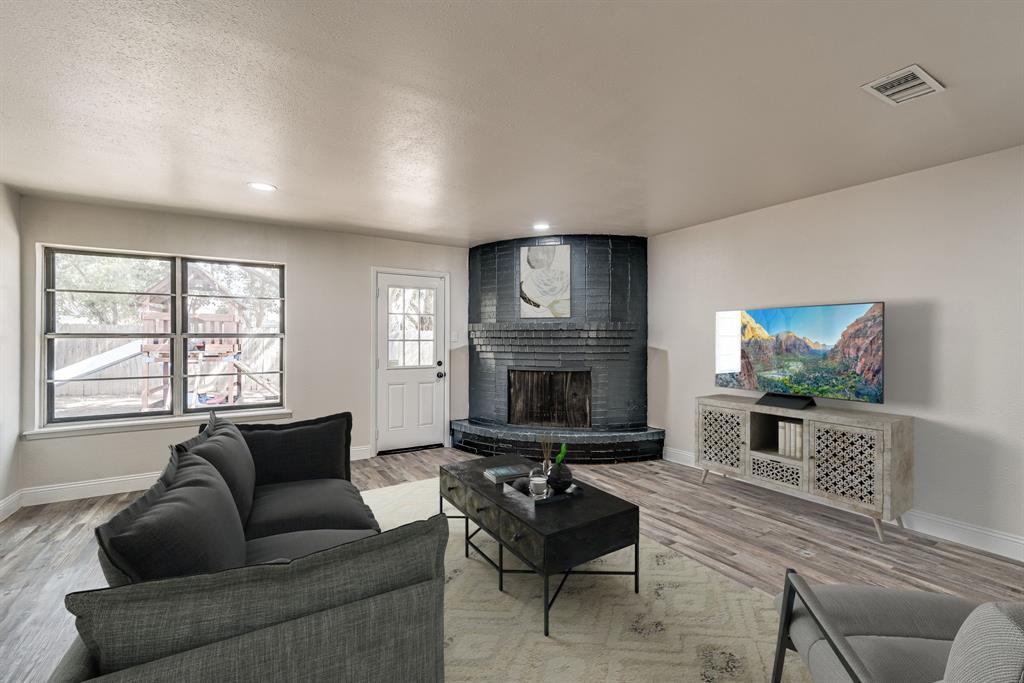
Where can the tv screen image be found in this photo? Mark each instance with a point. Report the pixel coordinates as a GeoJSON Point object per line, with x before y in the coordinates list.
{"type": "Point", "coordinates": [833, 351]}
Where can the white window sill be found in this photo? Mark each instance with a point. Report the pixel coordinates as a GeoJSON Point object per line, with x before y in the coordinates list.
{"type": "Point", "coordinates": [146, 424]}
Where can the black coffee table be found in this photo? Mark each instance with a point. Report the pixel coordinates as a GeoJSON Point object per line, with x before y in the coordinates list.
{"type": "Point", "coordinates": [550, 539]}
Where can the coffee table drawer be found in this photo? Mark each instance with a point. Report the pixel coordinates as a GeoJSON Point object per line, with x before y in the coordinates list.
{"type": "Point", "coordinates": [453, 490]}
{"type": "Point", "coordinates": [482, 511]}
{"type": "Point", "coordinates": [522, 539]}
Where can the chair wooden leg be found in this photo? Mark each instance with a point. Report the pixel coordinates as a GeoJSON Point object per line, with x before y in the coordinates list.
{"type": "Point", "coordinates": [703, 476]}
{"type": "Point", "coordinates": [899, 522]}
{"type": "Point", "coordinates": [878, 529]}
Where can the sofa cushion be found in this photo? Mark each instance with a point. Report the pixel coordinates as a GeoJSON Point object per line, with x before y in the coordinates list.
{"type": "Point", "coordinates": [309, 449]}
{"type": "Point", "coordinates": [989, 646]}
{"type": "Point", "coordinates": [184, 524]}
{"type": "Point", "coordinates": [222, 445]}
{"type": "Point", "coordinates": [304, 505]}
{"type": "Point", "coordinates": [296, 544]}
{"type": "Point", "coordinates": [132, 625]}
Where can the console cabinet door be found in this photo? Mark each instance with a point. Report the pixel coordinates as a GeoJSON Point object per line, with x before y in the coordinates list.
{"type": "Point", "coordinates": [846, 465]}
{"type": "Point", "coordinates": [722, 438]}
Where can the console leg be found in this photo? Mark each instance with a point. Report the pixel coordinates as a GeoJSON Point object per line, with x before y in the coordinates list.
{"type": "Point", "coordinates": [501, 568]}
{"type": "Point", "coordinates": [878, 529]}
{"type": "Point", "coordinates": [636, 567]}
{"type": "Point", "coordinates": [703, 476]}
{"type": "Point", "coordinates": [546, 605]}
{"type": "Point", "coordinates": [440, 504]}
{"type": "Point", "coordinates": [467, 535]}
{"type": "Point", "coordinates": [899, 522]}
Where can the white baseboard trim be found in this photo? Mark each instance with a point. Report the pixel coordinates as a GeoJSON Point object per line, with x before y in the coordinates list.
{"type": "Point", "coordinates": [678, 455]}
{"type": "Point", "coordinates": [10, 505]}
{"type": "Point", "coordinates": [56, 493]}
{"type": "Point", "coordinates": [360, 452]}
{"type": "Point", "coordinates": [964, 533]}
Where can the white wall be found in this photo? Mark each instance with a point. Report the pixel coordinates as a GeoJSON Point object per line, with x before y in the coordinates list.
{"type": "Point", "coordinates": [10, 340]}
{"type": "Point", "coordinates": [328, 359]}
{"type": "Point", "coordinates": [944, 249]}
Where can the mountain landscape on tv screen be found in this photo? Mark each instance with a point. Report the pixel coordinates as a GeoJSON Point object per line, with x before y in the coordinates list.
{"type": "Point", "coordinates": [794, 363]}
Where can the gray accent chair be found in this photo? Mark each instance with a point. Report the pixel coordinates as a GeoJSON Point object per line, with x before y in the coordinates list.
{"type": "Point", "coordinates": [370, 610]}
{"type": "Point", "coordinates": [866, 634]}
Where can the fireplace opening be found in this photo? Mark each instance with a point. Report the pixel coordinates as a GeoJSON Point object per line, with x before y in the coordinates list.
{"type": "Point", "coordinates": [549, 398]}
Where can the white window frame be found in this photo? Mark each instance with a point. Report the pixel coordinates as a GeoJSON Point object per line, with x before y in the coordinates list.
{"type": "Point", "coordinates": [178, 415]}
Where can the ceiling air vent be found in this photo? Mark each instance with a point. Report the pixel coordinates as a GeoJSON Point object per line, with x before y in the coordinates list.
{"type": "Point", "coordinates": [903, 85]}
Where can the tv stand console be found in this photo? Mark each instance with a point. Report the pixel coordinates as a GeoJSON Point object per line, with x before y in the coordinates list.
{"type": "Point", "coordinates": [856, 460]}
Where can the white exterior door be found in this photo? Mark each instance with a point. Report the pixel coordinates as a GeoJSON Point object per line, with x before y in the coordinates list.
{"type": "Point", "coordinates": [411, 346]}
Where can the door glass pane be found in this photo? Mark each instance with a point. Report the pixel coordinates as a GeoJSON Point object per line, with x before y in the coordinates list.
{"type": "Point", "coordinates": [109, 397]}
{"type": "Point", "coordinates": [427, 353]}
{"type": "Point", "coordinates": [396, 300]}
{"type": "Point", "coordinates": [426, 325]}
{"type": "Point", "coordinates": [394, 354]}
{"type": "Point", "coordinates": [103, 273]}
{"type": "Point", "coordinates": [412, 353]}
{"type": "Point", "coordinates": [427, 298]}
{"type": "Point", "coordinates": [412, 327]}
{"type": "Point", "coordinates": [412, 301]}
{"type": "Point", "coordinates": [395, 323]}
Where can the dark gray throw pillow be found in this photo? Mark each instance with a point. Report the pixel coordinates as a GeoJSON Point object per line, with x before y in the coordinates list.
{"type": "Point", "coordinates": [185, 524]}
{"type": "Point", "coordinates": [310, 449]}
{"type": "Point", "coordinates": [222, 445]}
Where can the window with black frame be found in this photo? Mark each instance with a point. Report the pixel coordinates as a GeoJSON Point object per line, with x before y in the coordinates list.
{"type": "Point", "coordinates": [134, 335]}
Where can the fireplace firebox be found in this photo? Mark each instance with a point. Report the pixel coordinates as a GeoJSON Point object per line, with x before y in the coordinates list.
{"type": "Point", "coordinates": [549, 398]}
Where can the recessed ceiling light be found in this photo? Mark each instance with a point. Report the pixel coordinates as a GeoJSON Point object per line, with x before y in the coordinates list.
{"type": "Point", "coordinates": [261, 187]}
{"type": "Point", "coordinates": [541, 226]}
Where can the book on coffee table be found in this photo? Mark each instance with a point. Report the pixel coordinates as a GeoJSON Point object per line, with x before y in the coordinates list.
{"type": "Point", "coordinates": [500, 475]}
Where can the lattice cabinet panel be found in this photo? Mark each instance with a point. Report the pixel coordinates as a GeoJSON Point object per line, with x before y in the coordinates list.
{"type": "Point", "coordinates": [846, 464]}
{"type": "Point", "coordinates": [722, 438]}
{"type": "Point", "coordinates": [776, 472]}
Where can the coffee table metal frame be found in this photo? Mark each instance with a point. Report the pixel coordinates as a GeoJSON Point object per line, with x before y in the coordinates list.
{"type": "Point", "coordinates": [499, 566]}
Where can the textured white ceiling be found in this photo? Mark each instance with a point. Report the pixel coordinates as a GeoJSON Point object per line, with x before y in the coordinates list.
{"type": "Point", "coordinates": [466, 122]}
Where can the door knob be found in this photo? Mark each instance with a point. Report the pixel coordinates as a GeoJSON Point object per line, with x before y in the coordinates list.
{"type": "Point", "coordinates": [440, 375]}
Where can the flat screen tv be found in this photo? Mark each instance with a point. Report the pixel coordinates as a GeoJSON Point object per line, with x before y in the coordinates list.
{"type": "Point", "coordinates": [833, 351]}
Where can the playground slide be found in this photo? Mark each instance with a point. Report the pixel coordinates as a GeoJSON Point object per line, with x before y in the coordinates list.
{"type": "Point", "coordinates": [94, 364]}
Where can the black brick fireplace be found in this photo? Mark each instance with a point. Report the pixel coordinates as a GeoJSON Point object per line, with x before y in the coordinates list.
{"type": "Point", "coordinates": [580, 377]}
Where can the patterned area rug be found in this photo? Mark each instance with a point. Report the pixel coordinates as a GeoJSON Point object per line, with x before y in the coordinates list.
{"type": "Point", "coordinates": [688, 623]}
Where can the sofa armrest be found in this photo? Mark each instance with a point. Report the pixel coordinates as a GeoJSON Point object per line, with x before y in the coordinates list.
{"type": "Point", "coordinates": [320, 448]}
{"type": "Point", "coordinates": [795, 586]}
{"type": "Point", "coordinates": [139, 624]}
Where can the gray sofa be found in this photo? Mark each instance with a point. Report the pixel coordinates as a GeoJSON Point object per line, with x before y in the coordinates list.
{"type": "Point", "coordinates": [254, 558]}
{"type": "Point", "coordinates": [866, 634]}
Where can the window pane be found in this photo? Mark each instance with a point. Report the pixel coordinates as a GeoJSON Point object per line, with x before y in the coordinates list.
{"type": "Point", "coordinates": [427, 353]}
{"type": "Point", "coordinates": [217, 356]}
{"type": "Point", "coordinates": [107, 358]}
{"type": "Point", "coordinates": [426, 327]}
{"type": "Point", "coordinates": [394, 354]}
{"type": "Point", "coordinates": [107, 397]}
{"type": "Point", "coordinates": [233, 279]}
{"type": "Point", "coordinates": [214, 315]}
{"type": "Point", "coordinates": [395, 323]}
{"type": "Point", "coordinates": [80, 312]}
{"type": "Point", "coordinates": [412, 353]}
{"type": "Point", "coordinates": [396, 300]}
{"type": "Point", "coordinates": [427, 298]}
{"type": "Point", "coordinates": [412, 301]}
{"type": "Point", "coordinates": [253, 389]}
{"type": "Point", "coordinates": [111, 273]}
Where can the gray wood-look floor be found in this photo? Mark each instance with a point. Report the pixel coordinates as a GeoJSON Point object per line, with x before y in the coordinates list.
{"type": "Point", "coordinates": [743, 531]}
